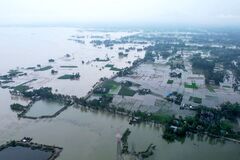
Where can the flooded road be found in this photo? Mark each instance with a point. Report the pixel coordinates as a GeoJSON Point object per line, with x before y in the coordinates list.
{"type": "Point", "coordinates": [84, 134]}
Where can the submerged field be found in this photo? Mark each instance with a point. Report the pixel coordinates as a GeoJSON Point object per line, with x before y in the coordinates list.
{"type": "Point", "coordinates": [44, 108]}
{"type": "Point", "coordinates": [23, 153]}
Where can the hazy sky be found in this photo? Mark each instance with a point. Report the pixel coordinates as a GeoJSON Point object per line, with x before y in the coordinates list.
{"type": "Point", "coordinates": [212, 12]}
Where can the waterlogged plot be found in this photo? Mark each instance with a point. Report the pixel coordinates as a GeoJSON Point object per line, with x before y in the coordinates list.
{"type": "Point", "coordinates": [44, 108]}
{"type": "Point", "coordinates": [24, 153]}
{"type": "Point", "coordinates": [156, 77]}
{"type": "Point", "coordinates": [27, 150]}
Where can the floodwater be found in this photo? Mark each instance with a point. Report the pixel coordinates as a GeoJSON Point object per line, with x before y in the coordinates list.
{"type": "Point", "coordinates": [44, 108]}
{"type": "Point", "coordinates": [23, 153]}
{"type": "Point", "coordinates": [90, 135]}
{"type": "Point", "coordinates": [84, 134]}
{"type": "Point", "coordinates": [34, 46]}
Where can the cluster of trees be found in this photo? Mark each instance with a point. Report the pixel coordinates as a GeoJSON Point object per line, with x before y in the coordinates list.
{"type": "Point", "coordinates": [100, 103]}
{"type": "Point", "coordinates": [227, 57]}
{"type": "Point", "coordinates": [165, 49]}
{"type": "Point", "coordinates": [17, 107]}
{"type": "Point", "coordinates": [213, 121]}
{"type": "Point", "coordinates": [177, 66]}
{"type": "Point", "coordinates": [46, 93]}
{"type": "Point", "coordinates": [175, 97]}
{"type": "Point", "coordinates": [125, 71]}
{"type": "Point", "coordinates": [207, 66]}
{"type": "Point", "coordinates": [125, 149]}
{"type": "Point", "coordinates": [124, 141]}
{"type": "Point", "coordinates": [75, 76]}
{"type": "Point", "coordinates": [236, 71]}
{"type": "Point", "coordinates": [149, 56]}
{"type": "Point", "coordinates": [107, 43]}
{"type": "Point", "coordinates": [201, 63]}
{"type": "Point", "coordinates": [230, 111]}
{"type": "Point", "coordinates": [11, 74]}
{"type": "Point", "coordinates": [156, 118]}
{"type": "Point", "coordinates": [54, 71]}
{"type": "Point", "coordinates": [216, 122]}
{"type": "Point", "coordinates": [224, 56]}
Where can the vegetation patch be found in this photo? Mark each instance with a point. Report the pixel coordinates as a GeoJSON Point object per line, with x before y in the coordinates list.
{"type": "Point", "coordinates": [68, 66]}
{"type": "Point", "coordinates": [170, 81]}
{"type": "Point", "coordinates": [21, 88]}
{"type": "Point", "coordinates": [110, 84]}
{"type": "Point", "coordinates": [6, 82]}
{"type": "Point", "coordinates": [5, 78]}
{"type": "Point", "coordinates": [125, 149]}
{"type": "Point", "coordinates": [116, 69]}
{"type": "Point", "coordinates": [13, 73]}
{"type": "Point", "coordinates": [102, 60]}
{"type": "Point", "coordinates": [193, 85]}
{"type": "Point", "coordinates": [70, 76]}
{"type": "Point", "coordinates": [195, 99]}
{"type": "Point", "coordinates": [126, 91]}
{"type": "Point", "coordinates": [175, 97]}
{"type": "Point", "coordinates": [156, 117]}
{"type": "Point", "coordinates": [109, 65]}
{"type": "Point", "coordinates": [102, 102]}
{"type": "Point", "coordinates": [18, 107]}
{"type": "Point", "coordinates": [107, 85]}
{"type": "Point", "coordinates": [31, 68]}
{"type": "Point", "coordinates": [216, 122]}
{"type": "Point", "coordinates": [161, 118]}
{"type": "Point", "coordinates": [43, 68]}
{"type": "Point", "coordinates": [207, 65]}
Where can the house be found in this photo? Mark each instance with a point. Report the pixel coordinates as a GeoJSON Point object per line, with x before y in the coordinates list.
{"type": "Point", "coordinates": [51, 60]}
{"type": "Point", "coordinates": [121, 54]}
{"type": "Point", "coordinates": [144, 91]}
{"type": "Point", "coordinates": [139, 49]}
{"type": "Point", "coordinates": [175, 74]}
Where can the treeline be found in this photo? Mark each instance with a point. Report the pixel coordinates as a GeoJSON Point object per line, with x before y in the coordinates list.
{"type": "Point", "coordinates": [46, 93]}
{"type": "Point", "coordinates": [228, 57]}
{"type": "Point", "coordinates": [164, 50]}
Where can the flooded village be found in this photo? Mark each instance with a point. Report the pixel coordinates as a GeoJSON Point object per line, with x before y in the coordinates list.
{"type": "Point", "coordinates": [173, 91]}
